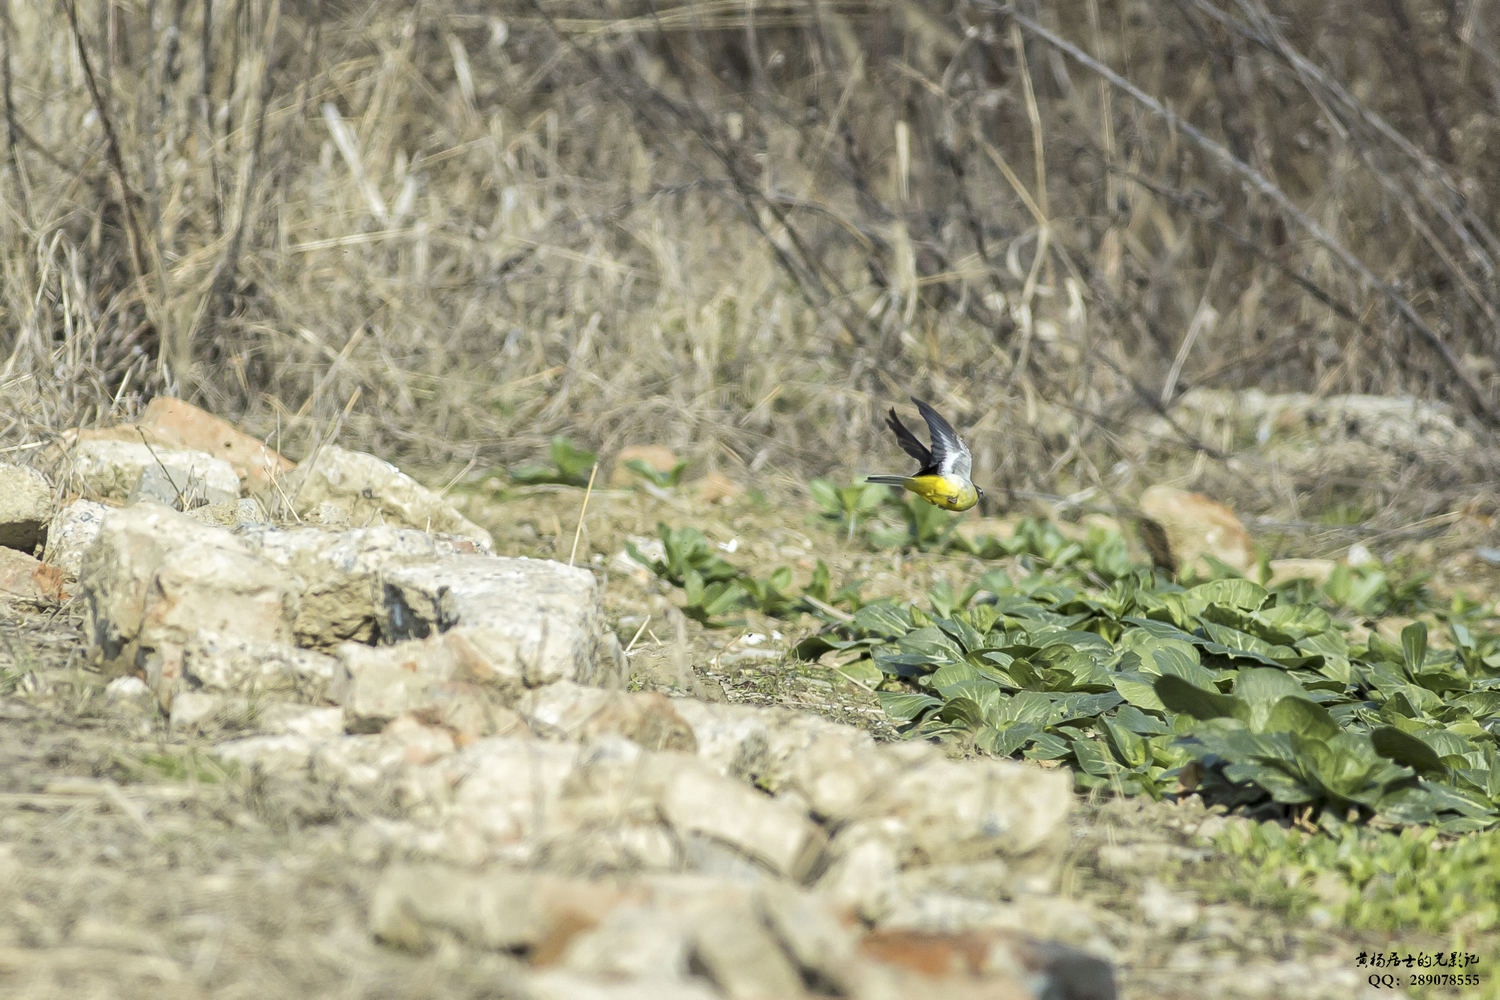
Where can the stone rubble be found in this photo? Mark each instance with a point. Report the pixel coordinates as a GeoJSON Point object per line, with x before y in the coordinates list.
{"type": "Point", "coordinates": [114, 470]}
{"type": "Point", "coordinates": [362, 491]}
{"type": "Point", "coordinates": [29, 579]}
{"type": "Point", "coordinates": [72, 530]}
{"type": "Point", "coordinates": [25, 507]}
{"type": "Point", "coordinates": [172, 423]}
{"type": "Point", "coordinates": [473, 707]}
{"type": "Point", "coordinates": [155, 580]}
{"type": "Point", "coordinates": [745, 939]}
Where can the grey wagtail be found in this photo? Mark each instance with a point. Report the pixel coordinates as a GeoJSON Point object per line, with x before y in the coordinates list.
{"type": "Point", "coordinates": [943, 479]}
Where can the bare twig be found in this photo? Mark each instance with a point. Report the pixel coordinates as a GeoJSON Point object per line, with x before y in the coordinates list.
{"type": "Point", "coordinates": [225, 276]}
{"type": "Point", "coordinates": [578, 531]}
{"type": "Point", "coordinates": [637, 635]}
{"type": "Point", "coordinates": [116, 160]}
{"type": "Point", "coordinates": [828, 609]}
{"type": "Point", "coordinates": [1478, 402]}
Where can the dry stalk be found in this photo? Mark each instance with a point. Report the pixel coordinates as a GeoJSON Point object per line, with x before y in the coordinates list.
{"type": "Point", "coordinates": [578, 531]}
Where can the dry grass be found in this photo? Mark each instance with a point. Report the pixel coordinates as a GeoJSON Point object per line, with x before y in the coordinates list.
{"type": "Point", "coordinates": [743, 230]}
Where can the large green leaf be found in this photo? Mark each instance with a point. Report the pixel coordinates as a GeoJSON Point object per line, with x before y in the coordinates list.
{"type": "Point", "coordinates": [1139, 722]}
{"type": "Point", "coordinates": [930, 645]}
{"type": "Point", "coordinates": [1298, 715]}
{"type": "Point", "coordinates": [1414, 646]}
{"type": "Point", "coordinates": [904, 707]}
{"type": "Point", "coordinates": [825, 495]}
{"type": "Point", "coordinates": [1181, 696]}
{"type": "Point", "coordinates": [1094, 758]}
{"type": "Point", "coordinates": [954, 673]}
{"type": "Point", "coordinates": [1260, 689]}
{"type": "Point", "coordinates": [1139, 689]}
{"type": "Point", "coordinates": [1131, 748]}
{"type": "Point", "coordinates": [1297, 621]}
{"type": "Point", "coordinates": [983, 694]}
{"type": "Point", "coordinates": [883, 618]}
{"type": "Point", "coordinates": [1073, 705]}
{"type": "Point", "coordinates": [1405, 749]}
{"type": "Point", "coordinates": [1032, 707]}
{"type": "Point", "coordinates": [968, 638]}
{"type": "Point", "coordinates": [1240, 594]}
{"type": "Point", "coordinates": [1006, 741]}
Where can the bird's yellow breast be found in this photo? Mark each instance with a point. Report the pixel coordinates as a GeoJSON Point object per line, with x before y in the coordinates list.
{"type": "Point", "coordinates": [944, 491]}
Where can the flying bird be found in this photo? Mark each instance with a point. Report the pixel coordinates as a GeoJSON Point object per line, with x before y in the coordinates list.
{"type": "Point", "coordinates": [943, 480]}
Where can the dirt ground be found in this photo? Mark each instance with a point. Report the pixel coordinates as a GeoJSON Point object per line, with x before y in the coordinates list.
{"type": "Point", "coordinates": [133, 865]}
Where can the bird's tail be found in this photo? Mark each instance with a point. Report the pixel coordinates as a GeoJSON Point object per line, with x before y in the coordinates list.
{"type": "Point", "coordinates": [887, 480]}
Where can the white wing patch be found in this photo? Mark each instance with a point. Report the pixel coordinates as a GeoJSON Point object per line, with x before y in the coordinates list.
{"type": "Point", "coordinates": [949, 453]}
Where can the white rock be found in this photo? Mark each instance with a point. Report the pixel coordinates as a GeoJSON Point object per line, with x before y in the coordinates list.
{"type": "Point", "coordinates": [740, 954]}
{"type": "Point", "coordinates": [111, 469]}
{"type": "Point", "coordinates": [449, 678]}
{"type": "Point", "coordinates": [759, 744]}
{"type": "Point", "coordinates": [361, 489]}
{"type": "Point", "coordinates": [568, 711]}
{"type": "Point", "coordinates": [126, 688]}
{"type": "Point", "coordinates": [336, 575]}
{"type": "Point", "coordinates": [505, 793]}
{"type": "Point", "coordinates": [154, 579]}
{"type": "Point", "coordinates": [499, 909]}
{"type": "Point", "coordinates": [420, 742]}
{"type": "Point", "coordinates": [862, 881]}
{"type": "Point", "coordinates": [246, 510]}
{"type": "Point", "coordinates": [839, 770]}
{"type": "Point", "coordinates": [542, 616]}
{"type": "Point", "coordinates": [560, 710]}
{"type": "Point", "coordinates": [941, 913]}
{"type": "Point", "coordinates": [807, 927]}
{"type": "Point", "coordinates": [73, 529]}
{"type": "Point", "coordinates": [604, 803]}
{"type": "Point", "coordinates": [186, 494]}
{"type": "Point", "coordinates": [696, 799]}
{"type": "Point", "coordinates": [382, 682]}
{"type": "Point", "coordinates": [193, 708]}
{"type": "Point", "coordinates": [633, 942]}
{"type": "Point", "coordinates": [228, 665]}
{"type": "Point", "coordinates": [362, 763]}
{"type": "Point", "coordinates": [975, 809]}
{"type": "Point", "coordinates": [283, 718]}
{"type": "Point", "coordinates": [25, 506]}
{"type": "Point", "coordinates": [1167, 910]}
{"type": "Point", "coordinates": [991, 880]}
{"type": "Point", "coordinates": [279, 755]}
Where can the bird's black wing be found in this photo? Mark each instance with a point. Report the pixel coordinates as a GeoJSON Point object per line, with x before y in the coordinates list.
{"type": "Point", "coordinates": [909, 443]}
{"type": "Point", "coordinates": [950, 455]}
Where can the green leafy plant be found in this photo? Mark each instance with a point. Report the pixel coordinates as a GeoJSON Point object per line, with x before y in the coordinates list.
{"type": "Point", "coordinates": [771, 595]}
{"type": "Point", "coordinates": [662, 480]}
{"type": "Point", "coordinates": [713, 587]}
{"type": "Point", "coordinates": [847, 504]}
{"type": "Point", "coordinates": [710, 584]}
{"type": "Point", "coordinates": [1372, 591]}
{"type": "Point", "coordinates": [1256, 698]}
{"type": "Point", "coordinates": [570, 466]}
{"type": "Point", "coordinates": [1267, 701]}
{"type": "Point", "coordinates": [1102, 554]}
